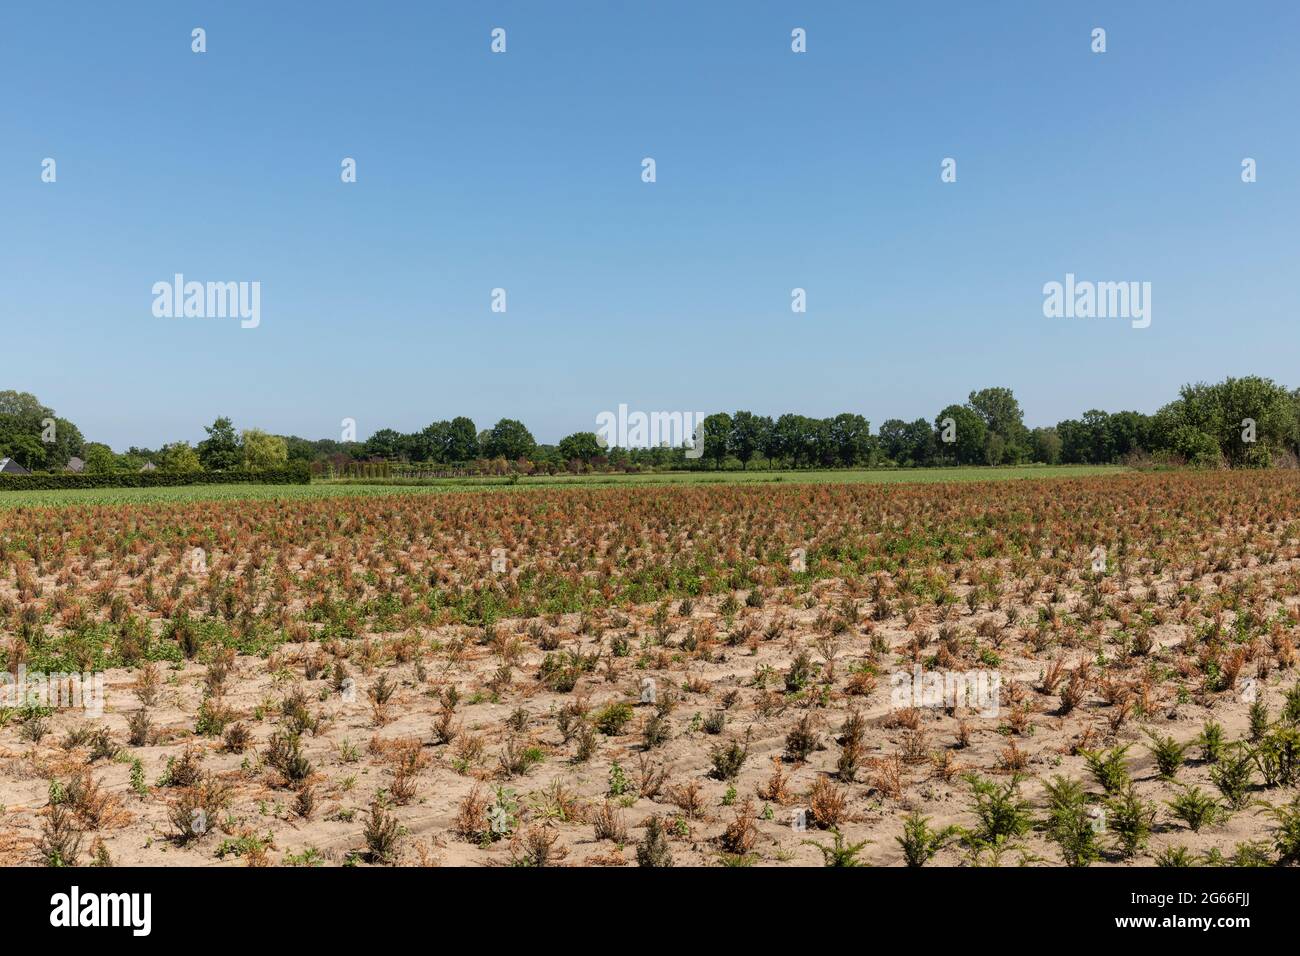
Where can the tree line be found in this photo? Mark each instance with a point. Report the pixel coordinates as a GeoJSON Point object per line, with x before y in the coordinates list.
{"type": "Point", "coordinates": [39, 440]}
{"type": "Point", "coordinates": [1238, 422]}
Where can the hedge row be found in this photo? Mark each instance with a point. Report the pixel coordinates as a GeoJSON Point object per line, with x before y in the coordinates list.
{"type": "Point", "coordinates": [295, 473]}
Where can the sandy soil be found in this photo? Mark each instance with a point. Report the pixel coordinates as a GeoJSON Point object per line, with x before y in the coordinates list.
{"type": "Point", "coordinates": [358, 749]}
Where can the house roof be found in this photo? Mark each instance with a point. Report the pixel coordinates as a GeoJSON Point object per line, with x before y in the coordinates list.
{"type": "Point", "coordinates": [10, 467]}
{"type": "Point", "coordinates": [76, 464]}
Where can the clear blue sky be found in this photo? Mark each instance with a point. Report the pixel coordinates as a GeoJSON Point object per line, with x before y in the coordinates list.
{"type": "Point", "coordinates": [522, 170]}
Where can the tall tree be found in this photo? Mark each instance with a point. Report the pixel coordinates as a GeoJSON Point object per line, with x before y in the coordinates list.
{"type": "Point", "coordinates": [746, 438]}
{"type": "Point", "coordinates": [908, 443]}
{"type": "Point", "coordinates": [1129, 432]}
{"type": "Point", "coordinates": [434, 441]}
{"type": "Point", "coordinates": [262, 451]}
{"type": "Point", "coordinates": [386, 444]}
{"type": "Point", "coordinates": [580, 446]}
{"type": "Point", "coordinates": [220, 451]}
{"type": "Point", "coordinates": [717, 434]}
{"type": "Point", "coordinates": [100, 459]}
{"type": "Point", "coordinates": [178, 457]}
{"type": "Point", "coordinates": [850, 434]}
{"type": "Point", "coordinates": [462, 440]}
{"type": "Point", "coordinates": [1046, 445]}
{"type": "Point", "coordinates": [796, 438]}
{"type": "Point", "coordinates": [968, 434]}
{"type": "Point", "coordinates": [508, 439]}
{"type": "Point", "coordinates": [1003, 417]}
{"type": "Point", "coordinates": [1226, 417]}
{"type": "Point", "coordinates": [32, 435]}
{"type": "Point", "coordinates": [771, 445]}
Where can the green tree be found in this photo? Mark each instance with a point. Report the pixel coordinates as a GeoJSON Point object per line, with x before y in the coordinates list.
{"type": "Point", "coordinates": [746, 436]}
{"type": "Point", "coordinates": [1100, 436]}
{"type": "Point", "coordinates": [415, 447]}
{"type": "Point", "coordinates": [385, 443]}
{"type": "Point", "coordinates": [1209, 422]}
{"type": "Point", "coordinates": [771, 445]}
{"type": "Point", "coordinates": [850, 434]}
{"type": "Point", "coordinates": [908, 443]}
{"type": "Point", "coordinates": [179, 457]}
{"type": "Point", "coordinates": [1130, 432]}
{"type": "Point", "coordinates": [462, 440]}
{"type": "Point", "coordinates": [1046, 445]}
{"type": "Point", "coordinates": [99, 458]}
{"type": "Point", "coordinates": [32, 435]}
{"type": "Point", "coordinates": [823, 443]}
{"type": "Point", "coordinates": [23, 405]}
{"type": "Point", "coordinates": [793, 439]}
{"type": "Point", "coordinates": [1295, 416]}
{"type": "Point", "coordinates": [1268, 406]}
{"type": "Point", "coordinates": [995, 449]}
{"type": "Point", "coordinates": [508, 439]}
{"type": "Point", "coordinates": [220, 451]}
{"type": "Point", "coordinates": [1075, 446]}
{"type": "Point", "coordinates": [967, 431]}
{"type": "Point", "coordinates": [717, 435]}
{"type": "Point", "coordinates": [434, 443]}
{"type": "Point", "coordinates": [580, 446]}
{"type": "Point", "coordinates": [262, 451]}
{"type": "Point", "coordinates": [893, 439]}
{"type": "Point", "coordinates": [1002, 417]}
{"type": "Point", "coordinates": [26, 449]}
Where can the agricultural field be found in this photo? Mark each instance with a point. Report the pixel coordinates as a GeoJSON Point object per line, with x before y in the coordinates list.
{"type": "Point", "coordinates": [365, 487]}
{"type": "Point", "coordinates": [1075, 670]}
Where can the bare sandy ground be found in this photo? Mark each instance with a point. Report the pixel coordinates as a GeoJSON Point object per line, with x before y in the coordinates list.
{"type": "Point", "coordinates": [911, 759]}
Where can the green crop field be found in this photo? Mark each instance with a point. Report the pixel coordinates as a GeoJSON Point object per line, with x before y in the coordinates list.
{"type": "Point", "coordinates": [330, 489]}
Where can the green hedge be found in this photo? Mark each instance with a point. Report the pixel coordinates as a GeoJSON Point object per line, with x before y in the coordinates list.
{"type": "Point", "coordinates": [295, 473]}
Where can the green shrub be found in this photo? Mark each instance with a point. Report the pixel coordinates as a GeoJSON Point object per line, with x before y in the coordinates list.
{"type": "Point", "coordinates": [1003, 815]}
{"type": "Point", "coordinates": [610, 721]}
{"type": "Point", "coordinates": [1109, 768]}
{"type": "Point", "coordinates": [1130, 818]}
{"type": "Point", "coordinates": [919, 842]}
{"type": "Point", "coordinates": [1232, 775]}
{"type": "Point", "coordinates": [1068, 823]}
{"type": "Point", "coordinates": [1286, 834]}
{"type": "Point", "coordinates": [1277, 756]}
{"type": "Point", "coordinates": [1195, 808]}
{"type": "Point", "coordinates": [728, 760]}
{"type": "Point", "coordinates": [1258, 721]}
{"type": "Point", "coordinates": [294, 473]}
{"type": "Point", "coordinates": [1174, 856]}
{"type": "Point", "coordinates": [840, 853]}
{"type": "Point", "coordinates": [1169, 754]}
{"type": "Point", "coordinates": [1211, 741]}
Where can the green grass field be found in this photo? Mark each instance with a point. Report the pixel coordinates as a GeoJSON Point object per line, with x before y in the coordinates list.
{"type": "Point", "coordinates": [331, 489]}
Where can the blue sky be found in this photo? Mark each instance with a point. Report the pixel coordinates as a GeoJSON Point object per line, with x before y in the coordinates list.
{"type": "Point", "coordinates": [523, 171]}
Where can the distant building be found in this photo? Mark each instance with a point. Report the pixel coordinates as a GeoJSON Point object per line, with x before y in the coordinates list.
{"type": "Point", "coordinates": [10, 467]}
{"type": "Point", "coordinates": [149, 466]}
{"type": "Point", "coordinates": [76, 465]}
